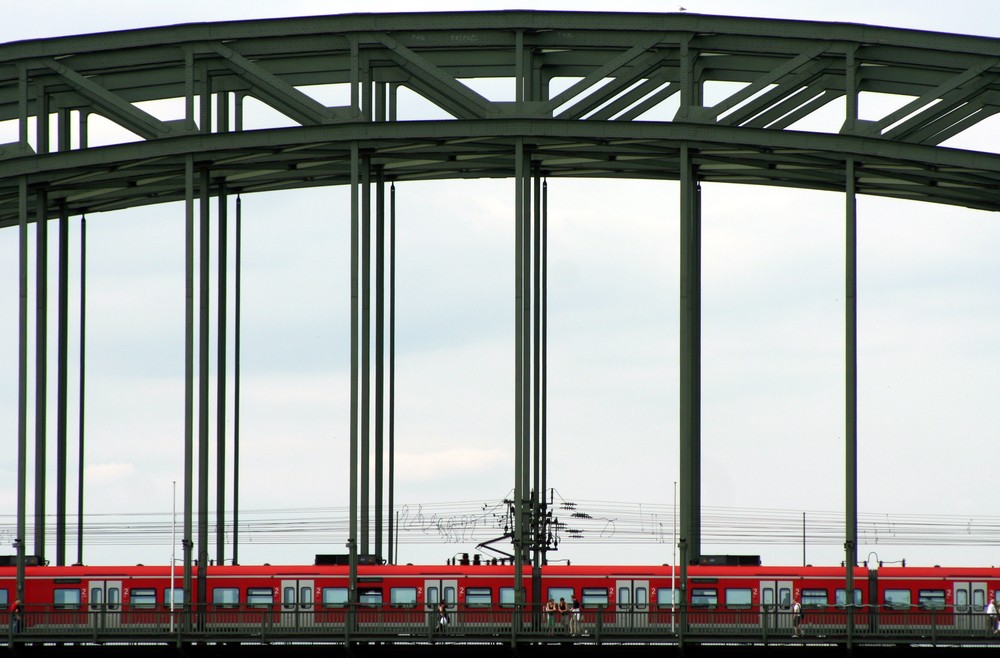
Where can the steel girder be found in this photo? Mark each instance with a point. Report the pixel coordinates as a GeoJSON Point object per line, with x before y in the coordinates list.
{"type": "Point", "coordinates": [620, 67]}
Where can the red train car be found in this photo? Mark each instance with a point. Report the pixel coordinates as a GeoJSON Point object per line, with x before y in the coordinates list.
{"type": "Point", "coordinates": [481, 598]}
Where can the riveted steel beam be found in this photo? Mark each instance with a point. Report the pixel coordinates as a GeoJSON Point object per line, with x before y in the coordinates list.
{"type": "Point", "coordinates": [112, 106]}
{"type": "Point", "coordinates": [435, 82]}
{"type": "Point", "coordinates": [277, 93]}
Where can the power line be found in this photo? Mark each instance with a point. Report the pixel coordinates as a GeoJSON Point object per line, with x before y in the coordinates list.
{"type": "Point", "coordinates": [592, 522]}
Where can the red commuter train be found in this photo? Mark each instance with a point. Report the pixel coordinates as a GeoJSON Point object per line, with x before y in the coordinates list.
{"type": "Point", "coordinates": [633, 598]}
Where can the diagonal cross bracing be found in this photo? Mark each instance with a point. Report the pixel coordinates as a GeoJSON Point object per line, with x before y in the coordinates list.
{"type": "Point", "coordinates": [109, 104]}
{"type": "Point", "coordinates": [274, 91]}
{"type": "Point", "coordinates": [924, 103]}
{"type": "Point", "coordinates": [437, 84]}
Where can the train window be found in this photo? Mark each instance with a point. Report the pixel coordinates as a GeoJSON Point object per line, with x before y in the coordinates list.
{"type": "Point", "coordinates": [594, 597]}
{"type": "Point", "coordinates": [403, 597]}
{"type": "Point", "coordinates": [142, 599]}
{"type": "Point", "coordinates": [370, 596]}
{"type": "Point", "coordinates": [66, 599]}
{"type": "Point", "coordinates": [978, 599]}
{"type": "Point", "coordinates": [506, 597]}
{"type": "Point", "coordinates": [478, 597]}
{"type": "Point", "coordinates": [667, 597]}
{"type": "Point", "coordinates": [739, 598]}
{"type": "Point", "coordinates": [767, 597]}
{"type": "Point", "coordinates": [3, 599]}
{"type": "Point", "coordinates": [260, 597]}
{"type": "Point", "coordinates": [96, 598]}
{"type": "Point", "coordinates": [624, 597]}
{"type": "Point", "coordinates": [841, 597]}
{"type": "Point", "coordinates": [432, 597]}
{"type": "Point", "coordinates": [961, 600]}
{"type": "Point", "coordinates": [449, 597]}
{"type": "Point", "coordinates": [175, 595]}
{"type": "Point", "coordinates": [897, 599]}
{"type": "Point", "coordinates": [641, 598]}
{"type": "Point", "coordinates": [226, 597]}
{"type": "Point", "coordinates": [784, 598]}
{"type": "Point", "coordinates": [704, 598]}
{"type": "Point", "coordinates": [334, 597]}
{"type": "Point", "coordinates": [564, 593]}
{"type": "Point", "coordinates": [289, 602]}
{"type": "Point", "coordinates": [931, 599]}
{"type": "Point", "coordinates": [114, 598]}
{"type": "Point", "coordinates": [814, 598]}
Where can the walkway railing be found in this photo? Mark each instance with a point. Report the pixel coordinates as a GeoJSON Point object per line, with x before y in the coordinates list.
{"type": "Point", "coordinates": [862, 624]}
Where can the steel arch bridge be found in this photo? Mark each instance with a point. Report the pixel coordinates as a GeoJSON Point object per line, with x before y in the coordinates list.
{"type": "Point", "coordinates": [680, 97]}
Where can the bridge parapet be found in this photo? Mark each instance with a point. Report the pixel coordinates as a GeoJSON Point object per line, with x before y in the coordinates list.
{"type": "Point", "coordinates": [859, 626]}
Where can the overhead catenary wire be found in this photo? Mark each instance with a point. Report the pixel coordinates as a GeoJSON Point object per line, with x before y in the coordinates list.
{"type": "Point", "coordinates": [591, 522]}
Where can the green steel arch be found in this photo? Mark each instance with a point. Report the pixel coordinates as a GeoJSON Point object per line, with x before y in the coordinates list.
{"type": "Point", "coordinates": [623, 66]}
{"type": "Point", "coordinates": [523, 94]}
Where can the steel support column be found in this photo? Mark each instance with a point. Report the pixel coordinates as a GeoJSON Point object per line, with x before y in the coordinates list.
{"type": "Point", "coordinates": [392, 372]}
{"type": "Point", "coordinates": [237, 290]}
{"type": "Point", "coordinates": [366, 251]}
{"type": "Point", "coordinates": [222, 125]}
{"type": "Point", "coordinates": [41, 324]}
{"type": "Point", "coordinates": [538, 497]}
{"type": "Point", "coordinates": [520, 409]}
{"type": "Point", "coordinates": [62, 357]}
{"type": "Point", "coordinates": [203, 388]}
{"type": "Point", "coordinates": [22, 382]}
{"type": "Point", "coordinates": [390, 103]}
{"type": "Point", "coordinates": [221, 337]}
{"type": "Point", "coordinates": [379, 352]}
{"type": "Point", "coordinates": [82, 393]}
{"type": "Point", "coordinates": [851, 351]}
{"type": "Point", "coordinates": [41, 366]}
{"type": "Point", "coordinates": [851, 382]}
{"type": "Point", "coordinates": [352, 530]}
{"type": "Point", "coordinates": [542, 320]}
{"type": "Point", "coordinates": [188, 373]}
{"type": "Point", "coordinates": [690, 360]}
{"type": "Point", "coordinates": [62, 383]}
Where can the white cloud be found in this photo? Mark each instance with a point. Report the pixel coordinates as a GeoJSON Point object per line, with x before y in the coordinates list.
{"type": "Point", "coordinates": [109, 474]}
{"type": "Point", "coordinates": [428, 466]}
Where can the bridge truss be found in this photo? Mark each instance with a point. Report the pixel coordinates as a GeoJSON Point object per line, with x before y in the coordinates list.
{"type": "Point", "coordinates": [521, 94]}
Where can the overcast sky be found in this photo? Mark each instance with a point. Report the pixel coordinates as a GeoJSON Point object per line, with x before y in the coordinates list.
{"type": "Point", "coordinates": [772, 347]}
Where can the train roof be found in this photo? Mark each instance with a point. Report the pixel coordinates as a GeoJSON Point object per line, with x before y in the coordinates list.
{"type": "Point", "coordinates": [430, 570]}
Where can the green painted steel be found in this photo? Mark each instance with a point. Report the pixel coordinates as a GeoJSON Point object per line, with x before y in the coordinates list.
{"type": "Point", "coordinates": [572, 94]}
{"type": "Point", "coordinates": [622, 66]}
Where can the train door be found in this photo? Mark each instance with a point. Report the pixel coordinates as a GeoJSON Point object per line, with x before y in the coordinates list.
{"type": "Point", "coordinates": [297, 603]}
{"type": "Point", "coordinates": [436, 591]}
{"type": "Point", "coordinates": [970, 600]}
{"type": "Point", "coordinates": [632, 604]}
{"type": "Point", "coordinates": [776, 604]}
{"type": "Point", "coordinates": [105, 603]}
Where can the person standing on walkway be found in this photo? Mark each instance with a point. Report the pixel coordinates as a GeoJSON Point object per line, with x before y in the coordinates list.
{"type": "Point", "coordinates": [442, 617]}
{"type": "Point", "coordinates": [16, 616]}
{"type": "Point", "coordinates": [550, 616]}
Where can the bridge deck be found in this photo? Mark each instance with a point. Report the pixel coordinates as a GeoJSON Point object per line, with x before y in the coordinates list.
{"type": "Point", "coordinates": [491, 630]}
